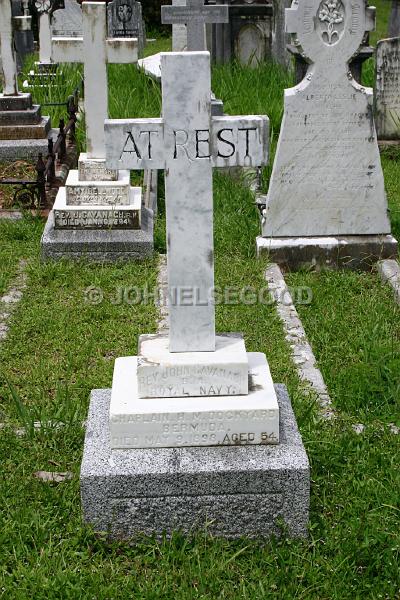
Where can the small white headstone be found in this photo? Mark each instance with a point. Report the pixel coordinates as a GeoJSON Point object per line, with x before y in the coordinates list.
{"type": "Point", "coordinates": [387, 91]}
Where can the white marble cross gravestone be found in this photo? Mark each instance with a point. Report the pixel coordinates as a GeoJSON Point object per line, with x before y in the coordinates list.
{"type": "Point", "coordinates": [187, 143]}
{"type": "Point", "coordinates": [7, 49]}
{"type": "Point", "coordinates": [95, 50]}
{"type": "Point", "coordinates": [327, 177]}
{"type": "Point", "coordinates": [195, 15]}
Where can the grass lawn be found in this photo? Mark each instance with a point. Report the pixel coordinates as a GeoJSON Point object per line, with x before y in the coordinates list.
{"type": "Point", "coordinates": [60, 347]}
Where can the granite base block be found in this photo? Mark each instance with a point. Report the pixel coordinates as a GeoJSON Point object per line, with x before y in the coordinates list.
{"type": "Point", "coordinates": [100, 245]}
{"type": "Point", "coordinates": [34, 131]}
{"type": "Point", "coordinates": [20, 102]}
{"type": "Point", "coordinates": [232, 491]}
{"type": "Point", "coordinates": [344, 252]}
{"type": "Point", "coordinates": [22, 149]}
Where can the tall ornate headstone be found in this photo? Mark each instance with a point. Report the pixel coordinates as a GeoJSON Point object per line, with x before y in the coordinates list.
{"type": "Point", "coordinates": [177, 414]}
{"type": "Point", "coordinates": [98, 214]}
{"type": "Point", "coordinates": [387, 89]}
{"type": "Point", "coordinates": [23, 129]}
{"type": "Point", "coordinates": [326, 195]}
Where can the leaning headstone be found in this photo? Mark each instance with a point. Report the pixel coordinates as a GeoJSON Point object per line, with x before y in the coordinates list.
{"type": "Point", "coordinates": [387, 90]}
{"type": "Point", "coordinates": [68, 22]}
{"type": "Point", "coordinates": [326, 203]}
{"type": "Point", "coordinates": [23, 129]}
{"type": "Point", "coordinates": [194, 415]}
{"type": "Point", "coordinates": [98, 214]}
{"type": "Point", "coordinates": [125, 19]}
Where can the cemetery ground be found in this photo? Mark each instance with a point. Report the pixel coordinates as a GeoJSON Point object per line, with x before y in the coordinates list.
{"type": "Point", "coordinates": [69, 327]}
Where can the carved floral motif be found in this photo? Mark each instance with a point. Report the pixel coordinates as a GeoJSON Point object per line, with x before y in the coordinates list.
{"type": "Point", "coordinates": [331, 12]}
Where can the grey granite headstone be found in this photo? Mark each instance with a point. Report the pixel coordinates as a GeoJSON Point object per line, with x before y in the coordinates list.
{"type": "Point", "coordinates": [125, 19]}
{"type": "Point", "coordinates": [68, 22]}
{"type": "Point", "coordinates": [387, 90]}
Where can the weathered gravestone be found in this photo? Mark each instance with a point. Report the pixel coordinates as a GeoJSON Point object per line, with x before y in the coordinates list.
{"type": "Point", "coordinates": [326, 203]}
{"type": "Point", "coordinates": [23, 34]}
{"type": "Point", "coordinates": [247, 36]}
{"type": "Point", "coordinates": [68, 22]}
{"type": "Point", "coordinates": [23, 130]}
{"type": "Point", "coordinates": [125, 20]}
{"type": "Point", "coordinates": [97, 215]}
{"type": "Point", "coordinates": [280, 37]}
{"type": "Point", "coordinates": [387, 90]}
{"type": "Point", "coordinates": [194, 15]}
{"type": "Point", "coordinates": [179, 35]}
{"type": "Point", "coordinates": [394, 19]}
{"type": "Point", "coordinates": [177, 414]}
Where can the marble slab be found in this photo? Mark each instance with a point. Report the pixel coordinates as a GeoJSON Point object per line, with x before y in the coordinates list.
{"type": "Point", "coordinates": [94, 169]}
{"type": "Point", "coordinates": [97, 216]}
{"type": "Point", "coordinates": [163, 374]}
{"type": "Point", "coordinates": [182, 421]}
{"type": "Point", "coordinates": [226, 141]}
{"type": "Point", "coordinates": [98, 192]}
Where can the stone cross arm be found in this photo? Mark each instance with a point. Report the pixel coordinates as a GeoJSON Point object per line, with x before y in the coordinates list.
{"type": "Point", "coordinates": [171, 15]}
{"type": "Point", "coordinates": [118, 50]}
{"type": "Point", "coordinates": [150, 143]}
